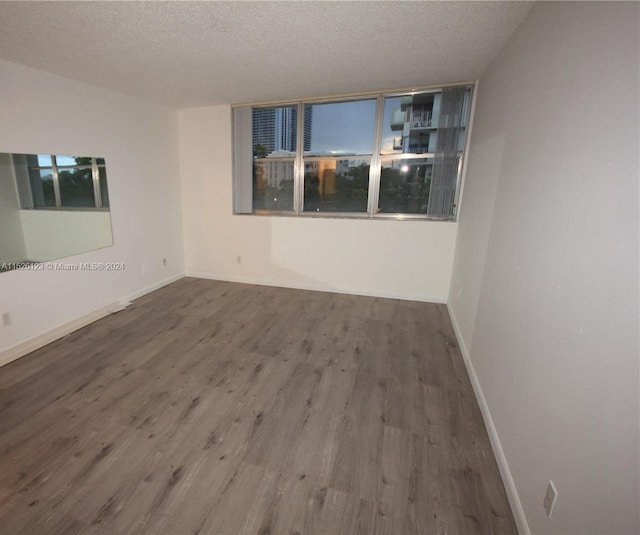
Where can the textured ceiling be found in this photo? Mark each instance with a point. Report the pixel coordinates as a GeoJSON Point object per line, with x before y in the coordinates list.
{"type": "Point", "coordinates": [199, 53]}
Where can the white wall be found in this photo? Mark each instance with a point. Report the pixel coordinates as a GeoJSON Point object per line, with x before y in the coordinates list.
{"type": "Point", "coordinates": [545, 280]}
{"type": "Point", "coordinates": [12, 247]}
{"type": "Point", "coordinates": [387, 258]}
{"type": "Point", "coordinates": [55, 234]}
{"type": "Point", "coordinates": [44, 113]}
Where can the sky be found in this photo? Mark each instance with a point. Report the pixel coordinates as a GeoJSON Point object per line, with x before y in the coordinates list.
{"type": "Point", "coordinates": [44, 160]}
{"type": "Point", "coordinates": [348, 127]}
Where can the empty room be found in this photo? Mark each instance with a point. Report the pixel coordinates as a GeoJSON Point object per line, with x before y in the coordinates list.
{"type": "Point", "coordinates": [316, 267]}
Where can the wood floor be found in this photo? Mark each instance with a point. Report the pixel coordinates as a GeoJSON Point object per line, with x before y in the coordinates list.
{"type": "Point", "coordinates": [213, 407]}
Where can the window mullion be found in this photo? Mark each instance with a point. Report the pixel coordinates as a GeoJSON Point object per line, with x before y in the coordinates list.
{"type": "Point", "coordinates": [376, 161]}
{"type": "Point", "coordinates": [298, 168]}
{"type": "Point", "coordinates": [56, 181]}
{"type": "Point", "coordinates": [95, 175]}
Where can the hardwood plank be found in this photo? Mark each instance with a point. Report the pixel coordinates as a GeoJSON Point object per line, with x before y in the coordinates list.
{"type": "Point", "coordinates": [299, 507]}
{"type": "Point", "coordinates": [357, 467]}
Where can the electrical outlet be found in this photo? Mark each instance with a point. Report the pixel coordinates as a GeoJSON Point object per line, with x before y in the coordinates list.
{"type": "Point", "coordinates": [550, 498]}
{"type": "Point", "coordinates": [238, 259]}
{"type": "Point", "coordinates": [142, 269]}
{"type": "Point", "coordinates": [6, 319]}
{"type": "Point", "coordinates": [164, 262]}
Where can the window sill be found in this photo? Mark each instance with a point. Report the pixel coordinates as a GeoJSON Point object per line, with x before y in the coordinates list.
{"type": "Point", "coordinates": [347, 215]}
{"type": "Point", "coordinates": [66, 209]}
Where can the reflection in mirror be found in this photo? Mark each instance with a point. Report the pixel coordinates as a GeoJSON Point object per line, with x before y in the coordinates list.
{"type": "Point", "coordinates": [51, 206]}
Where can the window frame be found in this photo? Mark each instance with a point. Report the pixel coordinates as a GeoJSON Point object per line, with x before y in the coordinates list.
{"type": "Point", "coordinates": [376, 158]}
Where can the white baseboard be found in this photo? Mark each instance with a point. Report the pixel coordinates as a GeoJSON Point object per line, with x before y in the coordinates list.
{"type": "Point", "coordinates": [153, 287]}
{"type": "Point", "coordinates": [314, 287]}
{"type": "Point", "coordinates": [503, 465]}
{"type": "Point", "coordinates": [23, 348]}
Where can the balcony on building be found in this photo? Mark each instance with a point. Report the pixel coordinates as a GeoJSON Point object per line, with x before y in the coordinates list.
{"type": "Point", "coordinates": [421, 118]}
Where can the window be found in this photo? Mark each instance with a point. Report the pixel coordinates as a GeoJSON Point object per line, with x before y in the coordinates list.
{"type": "Point", "coordinates": [337, 159]}
{"type": "Point", "coordinates": [386, 155]}
{"type": "Point", "coordinates": [58, 181]}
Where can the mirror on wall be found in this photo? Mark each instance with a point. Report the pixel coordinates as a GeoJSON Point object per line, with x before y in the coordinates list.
{"type": "Point", "coordinates": [51, 206]}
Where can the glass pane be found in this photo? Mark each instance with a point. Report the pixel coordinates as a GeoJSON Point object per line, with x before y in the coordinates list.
{"type": "Point", "coordinates": [417, 123]}
{"type": "Point", "coordinates": [81, 160]}
{"type": "Point", "coordinates": [41, 181]}
{"type": "Point", "coordinates": [336, 185]}
{"type": "Point", "coordinates": [275, 131]}
{"type": "Point", "coordinates": [100, 161]}
{"type": "Point", "coordinates": [410, 123]}
{"type": "Point", "coordinates": [70, 160]}
{"type": "Point", "coordinates": [340, 127]}
{"type": "Point", "coordinates": [104, 193]}
{"type": "Point", "coordinates": [405, 186]}
{"type": "Point", "coordinates": [273, 185]}
{"type": "Point", "coordinates": [76, 187]}
{"type": "Point", "coordinates": [44, 160]}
